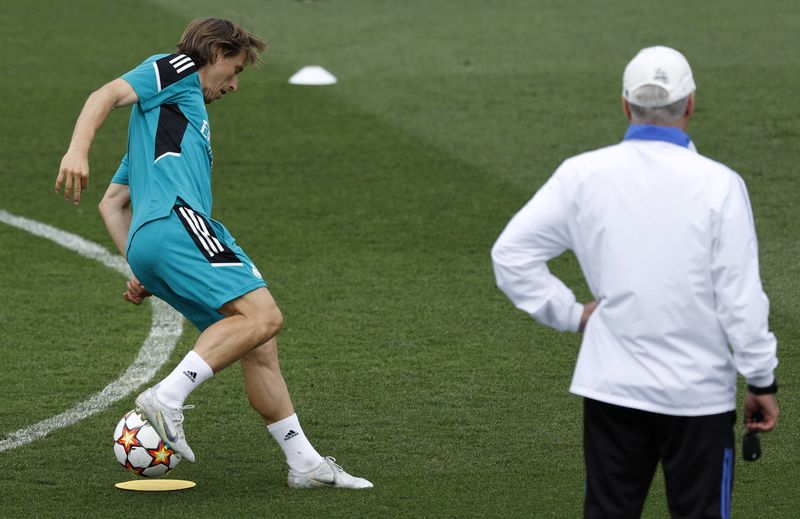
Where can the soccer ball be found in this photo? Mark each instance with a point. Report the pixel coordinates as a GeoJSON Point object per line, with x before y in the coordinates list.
{"type": "Point", "coordinates": [139, 449]}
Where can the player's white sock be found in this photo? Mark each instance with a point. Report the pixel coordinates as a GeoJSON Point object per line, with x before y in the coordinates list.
{"type": "Point", "coordinates": [300, 454]}
{"type": "Point", "coordinates": [190, 373]}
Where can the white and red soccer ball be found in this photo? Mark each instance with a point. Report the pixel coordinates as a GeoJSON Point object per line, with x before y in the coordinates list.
{"type": "Point", "coordinates": [139, 449]}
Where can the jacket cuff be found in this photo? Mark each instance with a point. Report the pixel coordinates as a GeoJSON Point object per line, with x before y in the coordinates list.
{"type": "Point", "coordinates": [575, 314]}
{"type": "Point", "coordinates": [764, 390]}
{"type": "Point", "coordinates": [763, 381]}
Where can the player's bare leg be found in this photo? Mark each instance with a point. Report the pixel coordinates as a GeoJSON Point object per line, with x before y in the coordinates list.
{"type": "Point", "coordinates": [269, 396]}
{"type": "Point", "coordinates": [251, 320]}
{"type": "Point", "coordinates": [267, 392]}
{"type": "Point", "coordinates": [263, 381]}
{"type": "Point", "coordinates": [248, 334]}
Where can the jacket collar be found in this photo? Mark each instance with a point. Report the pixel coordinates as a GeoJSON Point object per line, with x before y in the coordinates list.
{"type": "Point", "coordinates": [651, 132]}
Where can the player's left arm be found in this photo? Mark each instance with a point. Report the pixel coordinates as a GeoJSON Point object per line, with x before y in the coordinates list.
{"type": "Point", "coordinates": [115, 208]}
{"type": "Point", "coordinates": [536, 234]}
{"type": "Point", "coordinates": [73, 173]}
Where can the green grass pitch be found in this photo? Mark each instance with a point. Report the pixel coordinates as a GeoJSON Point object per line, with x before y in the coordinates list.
{"type": "Point", "coordinates": [370, 206]}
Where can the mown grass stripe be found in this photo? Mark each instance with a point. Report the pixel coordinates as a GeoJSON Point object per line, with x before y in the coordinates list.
{"type": "Point", "coordinates": [165, 330]}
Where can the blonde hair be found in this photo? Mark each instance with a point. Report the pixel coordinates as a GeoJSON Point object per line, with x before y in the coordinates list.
{"type": "Point", "coordinates": [206, 39]}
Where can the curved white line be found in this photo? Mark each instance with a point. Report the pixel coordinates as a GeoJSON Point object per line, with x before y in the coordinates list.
{"type": "Point", "coordinates": [164, 333]}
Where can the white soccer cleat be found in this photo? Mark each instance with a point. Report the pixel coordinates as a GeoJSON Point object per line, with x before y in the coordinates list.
{"type": "Point", "coordinates": [326, 474]}
{"type": "Point", "coordinates": [167, 422]}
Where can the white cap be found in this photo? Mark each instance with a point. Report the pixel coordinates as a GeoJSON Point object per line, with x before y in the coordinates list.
{"type": "Point", "coordinates": [659, 66]}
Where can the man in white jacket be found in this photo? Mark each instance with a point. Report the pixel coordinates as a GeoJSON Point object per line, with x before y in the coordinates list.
{"type": "Point", "coordinates": [666, 241]}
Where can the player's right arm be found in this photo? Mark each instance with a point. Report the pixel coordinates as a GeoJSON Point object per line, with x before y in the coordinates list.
{"type": "Point", "coordinates": [742, 306]}
{"type": "Point", "coordinates": [73, 173]}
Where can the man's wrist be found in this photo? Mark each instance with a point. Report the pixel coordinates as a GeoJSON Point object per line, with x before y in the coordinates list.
{"type": "Point", "coordinates": [768, 390]}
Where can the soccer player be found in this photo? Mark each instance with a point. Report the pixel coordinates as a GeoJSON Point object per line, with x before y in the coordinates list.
{"type": "Point", "coordinates": [666, 241]}
{"type": "Point", "coordinates": [158, 212]}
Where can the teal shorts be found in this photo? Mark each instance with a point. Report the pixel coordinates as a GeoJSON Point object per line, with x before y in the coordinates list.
{"type": "Point", "coordinates": [193, 263]}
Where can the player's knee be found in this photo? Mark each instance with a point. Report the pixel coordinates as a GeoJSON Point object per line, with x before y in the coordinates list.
{"type": "Point", "coordinates": [276, 320]}
{"type": "Point", "coordinates": [268, 324]}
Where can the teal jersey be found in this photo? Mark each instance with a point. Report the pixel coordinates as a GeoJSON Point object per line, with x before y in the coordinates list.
{"type": "Point", "coordinates": [169, 140]}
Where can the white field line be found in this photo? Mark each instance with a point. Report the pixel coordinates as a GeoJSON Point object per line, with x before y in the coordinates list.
{"type": "Point", "coordinates": [165, 330]}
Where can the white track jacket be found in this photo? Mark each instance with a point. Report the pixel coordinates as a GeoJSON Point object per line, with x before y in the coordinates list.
{"type": "Point", "coordinates": [666, 241]}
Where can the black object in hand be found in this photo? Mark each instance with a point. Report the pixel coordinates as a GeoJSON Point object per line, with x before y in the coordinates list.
{"type": "Point", "coordinates": [751, 443]}
{"type": "Point", "coordinates": [751, 446]}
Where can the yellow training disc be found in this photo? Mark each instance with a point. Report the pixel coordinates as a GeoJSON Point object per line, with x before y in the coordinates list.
{"type": "Point", "coordinates": [155, 485]}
